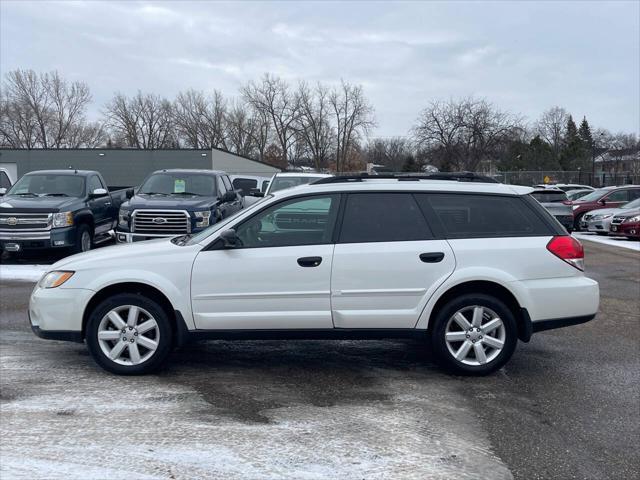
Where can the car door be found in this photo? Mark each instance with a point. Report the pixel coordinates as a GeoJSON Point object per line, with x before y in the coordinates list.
{"type": "Point", "coordinates": [386, 263]}
{"type": "Point", "coordinates": [278, 278]}
{"type": "Point", "coordinates": [100, 206]}
{"type": "Point", "coordinates": [616, 198]}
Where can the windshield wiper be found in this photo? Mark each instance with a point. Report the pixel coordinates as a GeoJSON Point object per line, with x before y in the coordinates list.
{"type": "Point", "coordinates": [186, 193]}
{"type": "Point", "coordinates": [26, 193]}
{"type": "Point", "coordinates": [181, 240]}
{"type": "Point", "coordinates": [56, 195]}
{"type": "Point", "coordinates": [153, 193]}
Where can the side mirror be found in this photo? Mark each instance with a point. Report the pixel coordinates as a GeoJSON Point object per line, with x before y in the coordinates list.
{"type": "Point", "coordinates": [602, 202]}
{"type": "Point", "coordinates": [254, 192]}
{"type": "Point", "coordinates": [230, 238]}
{"type": "Point", "coordinates": [229, 197]}
{"type": "Point", "coordinates": [3, 191]}
{"type": "Point", "coordinates": [99, 192]}
{"type": "Point", "coordinates": [129, 193]}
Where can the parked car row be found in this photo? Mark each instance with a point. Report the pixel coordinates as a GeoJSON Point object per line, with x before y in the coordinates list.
{"type": "Point", "coordinates": [74, 209]}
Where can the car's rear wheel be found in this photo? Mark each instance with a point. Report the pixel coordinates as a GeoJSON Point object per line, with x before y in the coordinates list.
{"type": "Point", "coordinates": [129, 334]}
{"type": "Point", "coordinates": [576, 223]}
{"type": "Point", "coordinates": [474, 334]}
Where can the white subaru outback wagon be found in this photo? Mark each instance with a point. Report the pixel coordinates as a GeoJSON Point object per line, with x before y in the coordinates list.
{"type": "Point", "coordinates": [467, 265]}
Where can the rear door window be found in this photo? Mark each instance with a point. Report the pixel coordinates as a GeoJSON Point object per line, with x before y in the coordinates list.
{"type": "Point", "coordinates": [245, 185]}
{"type": "Point", "coordinates": [482, 216]}
{"type": "Point", "coordinates": [4, 181]}
{"type": "Point", "coordinates": [617, 196]}
{"type": "Point", "coordinates": [383, 217]}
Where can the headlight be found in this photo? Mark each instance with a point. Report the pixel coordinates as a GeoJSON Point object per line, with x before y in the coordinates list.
{"type": "Point", "coordinates": [55, 279]}
{"type": "Point", "coordinates": [202, 218]}
{"type": "Point", "coordinates": [575, 207]}
{"type": "Point", "coordinates": [62, 219]}
{"type": "Point", "coordinates": [601, 217]}
{"type": "Point", "coordinates": [632, 219]}
{"type": "Point", "coordinates": [123, 218]}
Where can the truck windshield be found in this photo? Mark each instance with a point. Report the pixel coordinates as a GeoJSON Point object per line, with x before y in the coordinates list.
{"type": "Point", "coordinates": [175, 183]}
{"type": "Point", "coordinates": [42, 185]}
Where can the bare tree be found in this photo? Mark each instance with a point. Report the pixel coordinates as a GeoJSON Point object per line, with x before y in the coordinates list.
{"type": "Point", "coordinates": [42, 110]}
{"type": "Point", "coordinates": [460, 134]}
{"type": "Point", "coordinates": [314, 123]}
{"type": "Point", "coordinates": [200, 120]}
{"type": "Point", "coordinates": [551, 128]}
{"type": "Point", "coordinates": [272, 98]}
{"type": "Point", "coordinates": [353, 116]}
{"type": "Point", "coordinates": [142, 121]}
{"type": "Point", "coordinates": [392, 152]}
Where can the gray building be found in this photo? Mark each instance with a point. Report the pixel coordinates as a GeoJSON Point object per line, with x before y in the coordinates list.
{"type": "Point", "coordinates": [128, 167]}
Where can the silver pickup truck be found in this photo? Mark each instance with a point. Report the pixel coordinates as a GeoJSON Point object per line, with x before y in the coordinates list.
{"type": "Point", "coordinates": [556, 202]}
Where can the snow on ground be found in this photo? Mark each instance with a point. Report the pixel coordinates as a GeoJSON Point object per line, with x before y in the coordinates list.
{"type": "Point", "coordinates": [29, 273]}
{"type": "Point", "coordinates": [606, 240]}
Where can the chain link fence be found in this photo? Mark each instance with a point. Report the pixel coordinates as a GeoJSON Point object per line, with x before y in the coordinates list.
{"type": "Point", "coordinates": [583, 178]}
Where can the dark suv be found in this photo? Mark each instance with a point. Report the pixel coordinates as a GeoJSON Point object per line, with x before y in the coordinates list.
{"type": "Point", "coordinates": [177, 202]}
{"type": "Point", "coordinates": [610, 197]}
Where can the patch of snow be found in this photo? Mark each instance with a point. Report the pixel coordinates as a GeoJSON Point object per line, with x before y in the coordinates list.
{"type": "Point", "coordinates": [622, 242]}
{"type": "Point", "coordinates": [25, 273]}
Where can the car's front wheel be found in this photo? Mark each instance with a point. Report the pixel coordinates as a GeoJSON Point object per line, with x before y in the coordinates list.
{"type": "Point", "coordinates": [474, 334]}
{"type": "Point", "coordinates": [129, 334]}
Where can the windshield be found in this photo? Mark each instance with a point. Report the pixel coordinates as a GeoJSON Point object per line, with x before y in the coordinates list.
{"type": "Point", "coordinates": [176, 183]}
{"type": "Point", "coordinates": [42, 185]}
{"type": "Point", "coordinates": [593, 196]}
{"type": "Point", "coordinates": [549, 196]}
{"type": "Point", "coordinates": [632, 204]}
{"type": "Point", "coordinates": [280, 183]}
{"type": "Point", "coordinates": [576, 194]}
{"type": "Point", "coordinates": [197, 238]}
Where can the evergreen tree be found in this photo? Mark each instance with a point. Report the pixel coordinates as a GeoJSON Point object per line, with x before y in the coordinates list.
{"type": "Point", "coordinates": [410, 164]}
{"type": "Point", "coordinates": [574, 153]}
{"type": "Point", "coordinates": [585, 133]}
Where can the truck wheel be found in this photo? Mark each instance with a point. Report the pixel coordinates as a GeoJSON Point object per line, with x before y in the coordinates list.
{"type": "Point", "coordinates": [129, 334]}
{"type": "Point", "coordinates": [84, 239]}
{"type": "Point", "coordinates": [474, 334]}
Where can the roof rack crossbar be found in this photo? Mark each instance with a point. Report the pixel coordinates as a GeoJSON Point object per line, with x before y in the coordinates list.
{"type": "Point", "coordinates": [450, 176]}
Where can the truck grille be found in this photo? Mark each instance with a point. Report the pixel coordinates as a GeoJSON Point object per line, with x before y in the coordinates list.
{"type": "Point", "coordinates": [25, 221]}
{"type": "Point", "coordinates": [161, 222]}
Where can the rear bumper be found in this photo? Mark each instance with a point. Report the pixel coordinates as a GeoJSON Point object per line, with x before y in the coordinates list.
{"type": "Point", "coordinates": [542, 325]}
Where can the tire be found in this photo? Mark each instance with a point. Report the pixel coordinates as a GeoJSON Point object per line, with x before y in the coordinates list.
{"type": "Point", "coordinates": [576, 223]}
{"type": "Point", "coordinates": [83, 232]}
{"type": "Point", "coordinates": [121, 341]}
{"type": "Point", "coordinates": [602, 234]}
{"type": "Point", "coordinates": [505, 333]}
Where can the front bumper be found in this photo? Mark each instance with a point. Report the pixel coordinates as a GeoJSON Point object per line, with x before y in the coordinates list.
{"type": "Point", "coordinates": [57, 312]}
{"type": "Point", "coordinates": [16, 240]}
{"type": "Point", "coordinates": [126, 237]}
{"type": "Point", "coordinates": [626, 230]}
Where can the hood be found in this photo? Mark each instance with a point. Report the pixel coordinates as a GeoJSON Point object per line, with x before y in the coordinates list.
{"type": "Point", "coordinates": [106, 256]}
{"type": "Point", "coordinates": [604, 211]}
{"type": "Point", "coordinates": [14, 203]}
{"type": "Point", "coordinates": [172, 202]}
{"type": "Point", "coordinates": [627, 213]}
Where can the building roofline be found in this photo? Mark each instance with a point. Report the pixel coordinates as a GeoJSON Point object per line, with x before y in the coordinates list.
{"type": "Point", "coordinates": [142, 150]}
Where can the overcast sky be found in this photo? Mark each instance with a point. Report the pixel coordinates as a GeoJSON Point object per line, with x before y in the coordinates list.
{"type": "Point", "coordinates": [524, 57]}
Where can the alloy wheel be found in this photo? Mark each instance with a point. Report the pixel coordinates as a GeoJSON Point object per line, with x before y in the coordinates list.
{"type": "Point", "coordinates": [128, 335]}
{"type": "Point", "coordinates": [475, 335]}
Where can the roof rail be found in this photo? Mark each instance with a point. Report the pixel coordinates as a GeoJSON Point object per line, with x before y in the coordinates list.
{"type": "Point", "coordinates": [408, 177]}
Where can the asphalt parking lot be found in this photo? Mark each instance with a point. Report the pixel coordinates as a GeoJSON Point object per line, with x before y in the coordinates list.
{"type": "Point", "coordinates": [566, 406]}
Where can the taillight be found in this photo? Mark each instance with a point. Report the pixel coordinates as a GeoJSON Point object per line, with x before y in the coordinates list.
{"type": "Point", "coordinates": [568, 249]}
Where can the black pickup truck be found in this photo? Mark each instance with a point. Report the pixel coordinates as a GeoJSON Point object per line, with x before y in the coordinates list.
{"type": "Point", "coordinates": [177, 202]}
{"type": "Point", "coordinates": [58, 209]}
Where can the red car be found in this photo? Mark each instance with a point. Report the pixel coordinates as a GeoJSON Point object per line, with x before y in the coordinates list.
{"type": "Point", "coordinates": [626, 225]}
{"type": "Point", "coordinates": [610, 197]}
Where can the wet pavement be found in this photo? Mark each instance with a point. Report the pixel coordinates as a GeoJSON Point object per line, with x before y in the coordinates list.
{"type": "Point", "coordinates": [565, 406]}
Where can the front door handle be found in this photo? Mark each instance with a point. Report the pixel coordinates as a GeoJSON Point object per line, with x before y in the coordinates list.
{"type": "Point", "coordinates": [432, 257]}
{"type": "Point", "coordinates": [309, 261]}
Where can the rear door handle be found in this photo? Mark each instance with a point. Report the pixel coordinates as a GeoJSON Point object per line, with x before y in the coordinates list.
{"type": "Point", "coordinates": [432, 257]}
{"type": "Point", "coordinates": [309, 261]}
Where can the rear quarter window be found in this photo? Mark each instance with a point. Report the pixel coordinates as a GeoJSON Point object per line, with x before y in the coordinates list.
{"type": "Point", "coordinates": [549, 197]}
{"type": "Point", "coordinates": [483, 216]}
